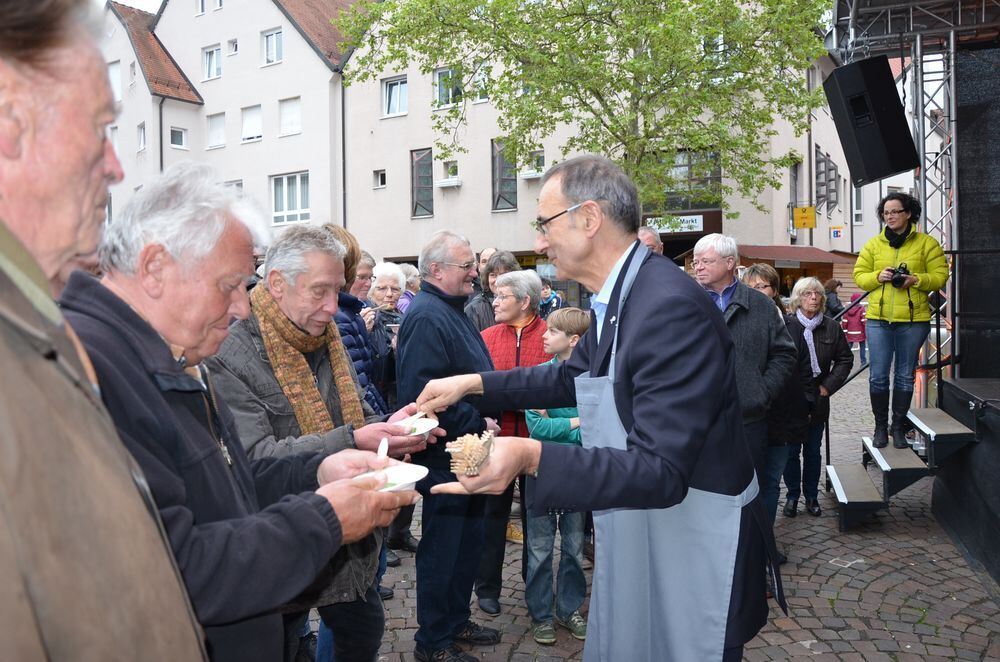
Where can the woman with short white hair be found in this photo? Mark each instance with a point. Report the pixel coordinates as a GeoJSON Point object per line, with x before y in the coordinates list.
{"type": "Point", "coordinates": [388, 282]}
{"type": "Point", "coordinates": [831, 359]}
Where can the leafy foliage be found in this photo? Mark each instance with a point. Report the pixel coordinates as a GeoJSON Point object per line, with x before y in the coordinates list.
{"type": "Point", "coordinates": [641, 81]}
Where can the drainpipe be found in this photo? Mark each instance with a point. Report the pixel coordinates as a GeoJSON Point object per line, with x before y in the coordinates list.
{"type": "Point", "coordinates": [343, 148]}
{"type": "Point", "coordinates": [810, 153]}
{"type": "Point", "coordinates": [162, 99]}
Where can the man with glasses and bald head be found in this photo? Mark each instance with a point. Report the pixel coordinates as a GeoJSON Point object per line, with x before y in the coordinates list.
{"type": "Point", "coordinates": [436, 340]}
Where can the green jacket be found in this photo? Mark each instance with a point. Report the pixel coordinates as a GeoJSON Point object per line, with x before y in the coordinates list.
{"type": "Point", "coordinates": [925, 260]}
{"type": "Point", "coordinates": [555, 427]}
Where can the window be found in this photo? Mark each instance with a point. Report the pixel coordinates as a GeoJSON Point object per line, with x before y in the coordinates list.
{"type": "Point", "coordinates": [793, 184]}
{"type": "Point", "coordinates": [216, 130]}
{"type": "Point", "coordinates": [421, 183]}
{"type": "Point", "coordinates": [218, 4]}
{"type": "Point", "coordinates": [140, 134]}
{"type": "Point", "coordinates": [857, 211]}
{"type": "Point", "coordinates": [233, 46]}
{"type": "Point", "coordinates": [212, 60]}
{"type": "Point", "coordinates": [199, 6]}
{"type": "Point", "coordinates": [697, 181]}
{"type": "Point", "coordinates": [821, 177]}
{"type": "Point", "coordinates": [504, 180]}
{"type": "Point", "coordinates": [252, 127]}
{"type": "Point", "coordinates": [290, 198]}
{"type": "Point", "coordinates": [178, 137]}
{"type": "Point", "coordinates": [271, 46]}
{"type": "Point", "coordinates": [131, 72]}
{"type": "Point", "coordinates": [536, 160]}
{"type": "Point", "coordinates": [234, 183]}
{"type": "Point", "coordinates": [449, 87]}
{"type": "Point", "coordinates": [479, 81]}
{"type": "Point", "coordinates": [449, 170]}
{"type": "Point", "coordinates": [394, 97]}
{"type": "Point", "coordinates": [113, 137]}
{"type": "Point", "coordinates": [832, 186]}
{"type": "Point", "coordinates": [290, 116]}
{"type": "Point", "coordinates": [115, 76]}
{"type": "Point", "coordinates": [378, 178]}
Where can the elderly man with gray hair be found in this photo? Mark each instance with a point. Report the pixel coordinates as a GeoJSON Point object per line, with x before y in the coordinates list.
{"type": "Point", "coordinates": [248, 535]}
{"type": "Point", "coordinates": [435, 340]}
{"type": "Point", "coordinates": [765, 353]}
{"type": "Point", "coordinates": [651, 238]}
{"type": "Point", "coordinates": [292, 388]}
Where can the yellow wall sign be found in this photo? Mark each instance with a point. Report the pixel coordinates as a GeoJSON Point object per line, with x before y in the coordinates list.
{"type": "Point", "coordinates": [804, 218]}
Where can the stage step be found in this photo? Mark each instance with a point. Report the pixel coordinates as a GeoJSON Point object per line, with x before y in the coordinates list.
{"type": "Point", "coordinates": [942, 435]}
{"type": "Point", "coordinates": [900, 467]}
{"type": "Point", "coordinates": [857, 496]}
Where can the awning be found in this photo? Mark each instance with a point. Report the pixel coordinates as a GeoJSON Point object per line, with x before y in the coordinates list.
{"type": "Point", "coordinates": [793, 253]}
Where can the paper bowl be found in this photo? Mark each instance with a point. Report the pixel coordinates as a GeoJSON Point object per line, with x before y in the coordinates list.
{"type": "Point", "coordinates": [419, 424]}
{"type": "Point", "coordinates": [399, 476]}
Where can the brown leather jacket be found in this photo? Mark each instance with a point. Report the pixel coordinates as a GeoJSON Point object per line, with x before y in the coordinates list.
{"type": "Point", "coordinates": [84, 570]}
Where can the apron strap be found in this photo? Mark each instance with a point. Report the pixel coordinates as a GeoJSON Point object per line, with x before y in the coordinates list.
{"type": "Point", "coordinates": [630, 274]}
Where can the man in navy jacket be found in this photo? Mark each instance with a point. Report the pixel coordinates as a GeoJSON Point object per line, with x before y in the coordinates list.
{"type": "Point", "coordinates": [665, 461]}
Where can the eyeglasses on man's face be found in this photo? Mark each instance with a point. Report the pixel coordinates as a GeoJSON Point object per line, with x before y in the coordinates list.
{"type": "Point", "coordinates": [539, 223]}
{"type": "Point", "coordinates": [464, 266]}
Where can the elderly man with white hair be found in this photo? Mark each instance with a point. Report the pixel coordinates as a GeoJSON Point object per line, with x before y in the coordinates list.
{"type": "Point", "coordinates": [248, 536]}
{"type": "Point", "coordinates": [85, 569]}
{"type": "Point", "coordinates": [436, 339]}
{"type": "Point", "coordinates": [765, 353]}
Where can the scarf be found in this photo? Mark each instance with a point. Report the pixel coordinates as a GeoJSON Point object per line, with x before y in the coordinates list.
{"type": "Point", "coordinates": [810, 325]}
{"type": "Point", "coordinates": [896, 240]}
{"type": "Point", "coordinates": [286, 345]}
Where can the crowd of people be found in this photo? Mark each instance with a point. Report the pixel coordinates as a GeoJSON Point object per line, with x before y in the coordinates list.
{"type": "Point", "coordinates": [186, 432]}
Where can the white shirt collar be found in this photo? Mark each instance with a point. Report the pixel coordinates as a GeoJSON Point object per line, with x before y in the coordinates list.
{"type": "Point", "coordinates": [599, 304]}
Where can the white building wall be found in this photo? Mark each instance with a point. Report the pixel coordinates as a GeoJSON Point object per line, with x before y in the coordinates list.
{"type": "Point", "coordinates": [245, 81]}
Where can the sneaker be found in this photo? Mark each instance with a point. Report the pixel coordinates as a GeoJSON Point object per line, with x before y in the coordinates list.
{"type": "Point", "coordinates": [477, 635]}
{"type": "Point", "coordinates": [450, 653]}
{"type": "Point", "coordinates": [576, 624]}
{"type": "Point", "coordinates": [543, 633]}
{"type": "Point", "coordinates": [514, 533]}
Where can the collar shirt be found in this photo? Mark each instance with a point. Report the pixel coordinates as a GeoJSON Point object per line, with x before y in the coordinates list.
{"type": "Point", "coordinates": [722, 300]}
{"type": "Point", "coordinates": [599, 304]}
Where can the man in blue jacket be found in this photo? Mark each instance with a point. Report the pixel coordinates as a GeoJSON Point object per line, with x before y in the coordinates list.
{"type": "Point", "coordinates": [435, 340]}
{"type": "Point", "coordinates": [682, 537]}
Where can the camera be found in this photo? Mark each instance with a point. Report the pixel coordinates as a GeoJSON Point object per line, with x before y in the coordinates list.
{"type": "Point", "coordinates": [899, 275]}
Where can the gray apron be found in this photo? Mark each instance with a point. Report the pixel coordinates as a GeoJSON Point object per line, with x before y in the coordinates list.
{"type": "Point", "coordinates": [662, 578]}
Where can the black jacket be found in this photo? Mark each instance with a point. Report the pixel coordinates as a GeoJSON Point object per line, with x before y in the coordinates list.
{"type": "Point", "coordinates": [244, 538]}
{"type": "Point", "coordinates": [788, 417]}
{"type": "Point", "coordinates": [438, 340]}
{"type": "Point", "coordinates": [835, 358]}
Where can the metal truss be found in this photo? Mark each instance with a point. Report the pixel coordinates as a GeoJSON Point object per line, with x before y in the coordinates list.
{"type": "Point", "coordinates": [872, 27]}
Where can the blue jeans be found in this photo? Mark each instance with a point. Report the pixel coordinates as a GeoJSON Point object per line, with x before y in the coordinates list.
{"type": "Point", "coordinates": [775, 460]}
{"type": "Point", "coordinates": [861, 351]}
{"type": "Point", "coordinates": [894, 340]}
{"type": "Point", "coordinates": [451, 543]}
{"type": "Point", "coordinates": [808, 474]}
{"type": "Point", "coordinates": [571, 585]}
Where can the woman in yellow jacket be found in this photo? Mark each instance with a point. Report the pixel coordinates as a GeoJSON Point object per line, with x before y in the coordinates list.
{"type": "Point", "coordinates": [899, 267]}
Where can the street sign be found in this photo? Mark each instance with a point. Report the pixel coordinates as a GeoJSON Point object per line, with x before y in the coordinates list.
{"type": "Point", "coordinates": [804, 218]}
{"type": "Point", "coordinates": [837, 231]}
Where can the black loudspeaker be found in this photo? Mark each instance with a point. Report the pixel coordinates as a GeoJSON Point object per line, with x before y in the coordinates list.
{"type": "Point", "coordinates": [870, 120]}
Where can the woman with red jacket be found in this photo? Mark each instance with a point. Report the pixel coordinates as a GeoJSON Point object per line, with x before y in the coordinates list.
{"type": "Point", "coordinates": [515, 340]}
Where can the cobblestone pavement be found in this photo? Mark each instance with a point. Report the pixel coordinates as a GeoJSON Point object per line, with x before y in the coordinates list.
{"type": "Point", "coordinates": [894, 588]}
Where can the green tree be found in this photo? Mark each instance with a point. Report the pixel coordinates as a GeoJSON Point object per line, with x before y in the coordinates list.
{"type": "Point", "coordinates": [648, 83]}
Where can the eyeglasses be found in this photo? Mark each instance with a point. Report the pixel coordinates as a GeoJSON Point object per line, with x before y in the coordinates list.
{"type": "Point", "coordinates": [539, 223]}
{"type": "Point", "coordinates": [388, 288]}
{"type": "Point", "coordinates": [465, 266]}
{"type": "Point", "coordinates": [762, 286]}
{"type": "Point", "coordinates": [812, 294]}
{"type": "Point", "coordinates": [893, 212]}
{"type": "Point", "coordinates": [504, 297]}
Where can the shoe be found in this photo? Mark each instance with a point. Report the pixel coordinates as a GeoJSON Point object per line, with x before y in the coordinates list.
{"type": "Point", "coordinates": [576, 624]}
{"type": "Point", "coordinates": [900, 406]}
{"type": "Point", "coordinates": [791, 508]}
{"type": "Point", "coordinates": [880, 408]}
{"type": "Point", "coordinates": [450, 653]}
{"type": "Point", "coordinates": [588, 550]}
{"type": "Point", "coordinates": [392, 559]}
{"type": "Point", "coordinates": [386, 593]}
{"type": "Point", "coordinates": [477, 635]}
{"type": "Point", "coordinates": [406, 544]}
{"type": "Point", "coordinates": [543, 633]}
{"type": "Point", "coordinates": [514, 533]}
{"type": "Point", "coordinates": [812, 507]}
{"type": "Point", "coordinates": [490, 605]}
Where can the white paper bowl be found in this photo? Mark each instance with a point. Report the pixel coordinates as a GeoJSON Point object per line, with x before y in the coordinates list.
{"type": "Point", "coordinates": [419, 424]}
{"type": "Point", "coordinates": [399, 476]}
